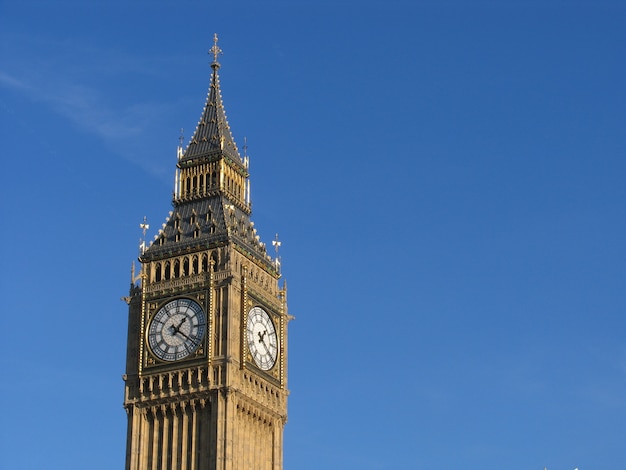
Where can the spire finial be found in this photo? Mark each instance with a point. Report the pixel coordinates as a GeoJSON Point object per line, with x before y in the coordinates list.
{"type": "Point", "coordinates": [276, 242]}
{"type": "Point", "coordinates": [216, 51]}
{"type": "Point", "coordinates": [144, 227]}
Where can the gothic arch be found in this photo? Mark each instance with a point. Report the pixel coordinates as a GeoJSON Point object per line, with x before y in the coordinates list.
{"type": "Point", "coordinates": [194, 265]}
{"type": "Point", "coordinates": [167, 271]}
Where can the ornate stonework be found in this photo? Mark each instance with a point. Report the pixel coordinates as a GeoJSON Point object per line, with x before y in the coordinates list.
{"type": "Point", "coordinates": [216, 409]}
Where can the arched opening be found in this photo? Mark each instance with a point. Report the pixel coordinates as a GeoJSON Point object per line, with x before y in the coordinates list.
{"type": "Point", "coordinates": [195, 265]}
{"type": "Point", "coordinates": [167, 271]}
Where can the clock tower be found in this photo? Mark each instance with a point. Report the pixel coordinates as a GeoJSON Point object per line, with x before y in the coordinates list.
{"type": "Point", "coordinates": [206, 366]}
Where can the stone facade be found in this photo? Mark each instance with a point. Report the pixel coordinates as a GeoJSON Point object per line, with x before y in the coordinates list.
{"type": "Point", "coordinates": [218, 408]}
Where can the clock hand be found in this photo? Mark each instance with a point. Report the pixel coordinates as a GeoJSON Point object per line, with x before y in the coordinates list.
{"type": "Point", "coordinates": [190, 339]}
{"type": "Point", "coordinates": [261, 336]}
{"type": "Point", "coordinates": [266, 348]}
{"type": "Point", "coordinates": [262, 340]}
{"type": "Point", "coordinates": [176, 329]}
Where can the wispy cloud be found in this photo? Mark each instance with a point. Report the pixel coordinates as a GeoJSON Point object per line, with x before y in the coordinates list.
{"type": "Point", "coordinates": [81, 94]}
{"type": "Point", "coordinates": [121, 128]}
{"type": "Point", "coordinates": [8, 81]}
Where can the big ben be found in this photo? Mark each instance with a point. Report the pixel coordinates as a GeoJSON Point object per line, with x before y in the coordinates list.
{"type": "Point", "coordinates": [206, 366]}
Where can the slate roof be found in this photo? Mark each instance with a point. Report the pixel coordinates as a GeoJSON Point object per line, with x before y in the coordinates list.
{"type": "Point", "coordinates": [212, 135]}
{"type": "Point", "coordinates": [200, 223]}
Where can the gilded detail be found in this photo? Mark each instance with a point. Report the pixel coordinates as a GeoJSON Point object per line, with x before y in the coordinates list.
{"type": "Point", "coordinates": [206, 379]}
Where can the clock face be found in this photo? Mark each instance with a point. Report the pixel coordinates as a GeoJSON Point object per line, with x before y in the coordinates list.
{"type": "Point", "coordinates": [177, 330]}
{"type": "Point", "coordinates": [262, 339]}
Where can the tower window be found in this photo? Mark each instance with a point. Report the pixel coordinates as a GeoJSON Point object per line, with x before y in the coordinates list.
{"type": "Point", "coordinates": [167, 271]}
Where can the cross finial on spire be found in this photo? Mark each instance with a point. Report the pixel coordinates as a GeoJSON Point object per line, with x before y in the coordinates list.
{"type": "Point", "coordinates": [216, 51]}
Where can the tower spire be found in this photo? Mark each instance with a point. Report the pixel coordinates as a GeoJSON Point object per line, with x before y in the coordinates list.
{"type": "Point", "coordinates": [213, 136]}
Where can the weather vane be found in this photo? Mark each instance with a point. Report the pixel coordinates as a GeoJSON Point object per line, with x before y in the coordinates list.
{"type": "Point", "coordinates": [277, 244]}
{"type": "Point", "coordinates": [215, 50]}
{"type": "Point", "coordinates": [144, 227]}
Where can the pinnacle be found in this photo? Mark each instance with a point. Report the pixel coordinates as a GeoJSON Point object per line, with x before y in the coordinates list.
{"type": "Point", "coordinates": [212, 135]}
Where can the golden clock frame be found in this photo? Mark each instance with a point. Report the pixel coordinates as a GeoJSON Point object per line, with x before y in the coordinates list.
{"type": "Point", "coordinates": [249, 300]}
{"type": "Point", "coordinates": [152, 307]}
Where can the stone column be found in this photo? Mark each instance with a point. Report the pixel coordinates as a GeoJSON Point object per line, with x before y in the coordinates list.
{"type": "Point", "coordinates": [165, 445]}
{"type": "Point", "coordinates": [184, 410]}
{"type": "Point", "coordinates": [155, 439]}
{"type": "Point", "coordinates": [175, 435]}
{"type": "Point", "coordinates": [194, 436]}
{"type": "Point", "coordinates": [136, 434]}
{"type": "Point", "coordinates": [144, 440]}
{"type": "Point", "coordinates": [203, 435]}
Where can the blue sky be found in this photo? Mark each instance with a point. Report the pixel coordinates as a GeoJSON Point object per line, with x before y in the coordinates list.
{"type": "Point", "coordinates": [447, 179]}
